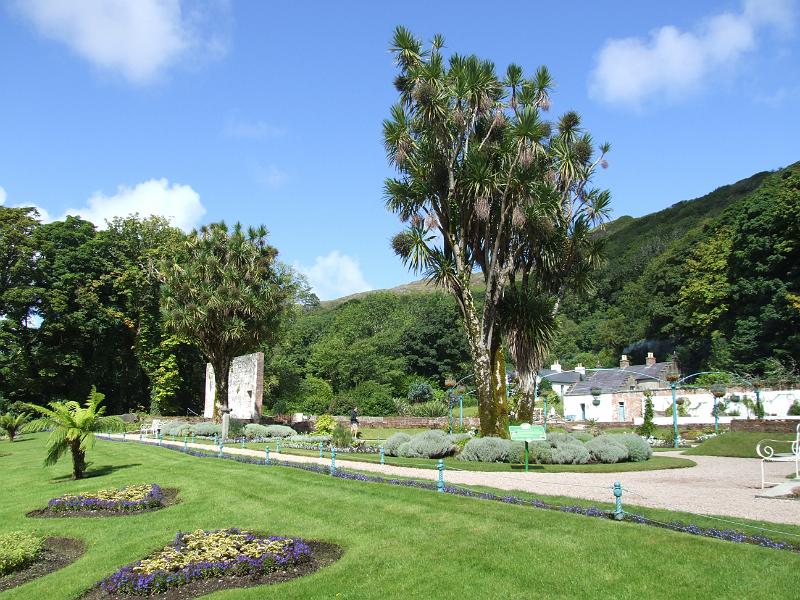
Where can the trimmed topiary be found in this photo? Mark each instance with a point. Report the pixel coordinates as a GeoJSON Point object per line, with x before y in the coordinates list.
{"type": "Point", "coordinates": [254, 430]}
{"type": "Point", "coordinates": [569, 452]}
{"type": "Point", "coordinates": [390, 448]}
{"type": "Point", "coordinates": [206, 429]}
{"type": "Point", "coordinates": [428, 444]}
{"type": "Point", "coordinates": [582, 436]}
{"type": "Point", "coordinates": [540, 453]}
{"type": "Point", "coordinates": [280, 431]}
{"type": "Point", "coordinates": [638, 448]}
{"type": "Point", "coordinates": [605, 449]}
{"type": "Point", "coordinates": [485, 449]}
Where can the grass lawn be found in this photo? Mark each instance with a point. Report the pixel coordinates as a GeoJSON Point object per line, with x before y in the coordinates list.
{"type": "Point", "coordinates": [399, 542]}
{"type": "Point", "coordinates": [654, 464]}
{"type": "Point", "coordinates": [741, 444]}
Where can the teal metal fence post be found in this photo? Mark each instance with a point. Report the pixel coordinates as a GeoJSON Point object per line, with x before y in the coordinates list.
{"type": "Point", "coordinates": [185, 443]}
{"type": "Point", "coordinates": [279, 446]}
{"type": "Point", "coordinates": [382, 456]}
{"type": "Point", "coordinates": [123, 436]}
{"type": "Point", "coordinates": [618, 512]}
{"type": "Point", "coordinates": [140, 436]}
{"type": "Point", "coordinates": [440, 481]}
{"type": "Point", "coordinates": [673, 385]}
{"type": "Point", "coordinates": [215, 439]}
{"type": "Point", "coordinates": [320, 449]}
{"type": "Point", "coordinates": [193, 438]}
{"type": "Point", "coordinates": [221, 446]}
{"type": "Point", "coordinates": [243, 444]}
{"type": "Point", "coordinates": [160, 438]}
{"type": "Point", "coordinates": [333, 460]}
{"type": "Point", "coordinates": [266, 455]}
{"type": "Point", "coordinates": [461, 411]}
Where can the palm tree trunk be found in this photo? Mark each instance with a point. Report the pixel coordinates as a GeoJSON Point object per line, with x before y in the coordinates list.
{"type": "Point", "coordinates": [526, 388]}
{"type": "Point", "coordinates": [499, 392]}
{"type": "Point", "coordinates": [222, 365]}
{"type": "Point", "coordinates": [78, 459]}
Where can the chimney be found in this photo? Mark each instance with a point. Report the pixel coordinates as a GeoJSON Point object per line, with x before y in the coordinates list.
{"type": "Point", "coordinates": [556, 366]}
{"type": "Point", "coordinates": [580, 369]}
{"type": "Point", "coordinates": [624, 362]}
{"type": "Point", "coordinates": [650, 360]}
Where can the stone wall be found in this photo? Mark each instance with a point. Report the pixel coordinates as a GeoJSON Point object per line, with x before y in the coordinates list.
{"type": "Point", "coordinates": [765, 426]}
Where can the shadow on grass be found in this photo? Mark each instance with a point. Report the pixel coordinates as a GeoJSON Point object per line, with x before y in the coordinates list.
{"type": "Point", "coordinates": [96, 472]}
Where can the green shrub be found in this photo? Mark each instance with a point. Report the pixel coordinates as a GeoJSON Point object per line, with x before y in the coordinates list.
{"type": "Point", "coordinates": [206, 429]}
{"type": "Point", "coordinates": [236, 428]}
{"type": "Point", "coordinates": [516, 453]}
{"type": "Point", "coordinates": [540, 453]}
{"type": "Point", "coordinates": [373, 399]}
{"type": "Point", "coordinates": [176, 428]}
{"type": "Point", "coordinates": [486, 449]}
{"type": "Point", "coordinates": [342, 437]}
{"type": "Point", "coordinates": [794, 409]}
{"type": "Point", "coordinates": [18, 549]}
{"type": "Point", "coordinates": [556, 437]}
{"type": "Point", "coordinates": [420, 391]}
{"type": "Point", "coordinates": [433, 443]}
{"type": "Point", "coordinates": [254, 430]}
{"type": "Point", "coordinates": [605, 449]}
{"type": "Point", "coordinates": [391, 446]}
{"type": "Point", "coordinates": [434, 408]}
{"type": "Point", "coordinates": [309, 439]}
{"type": "Point", "coordinates": [315, 395]}
{"type": "Point", "coordinates": [647, 428]}
{"type": "Point", "coordinates": [569, 452]}
{"type": "Point", "coordinates": [638, 449]}
{"type": "Point", "coordinates": [280, 431]}
{"type": "Point", "coordinates": [582, 436]}
{"type": "Point", "coordinates": [325, 425]}
{"type": "Point", "coordinates": [11, 423]}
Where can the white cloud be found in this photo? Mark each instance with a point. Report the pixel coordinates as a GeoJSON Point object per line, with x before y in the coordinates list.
{"type": "Point", "coordinates": [44, 216]}
{"type": "Point", "coordinates": [178, 203]}
{"type": "Point", "coordinates": [139, 38]}
{"type": "Point", "coordinates": [335, 275]}
{"type": "Point", "coordinates": [270, 176]}
{"type": "Point", "coordinates": [673, 63]}
{"type": "Point", "coordinates": [256, 130]}
{"type": "Point", "coordinates": [3, 195]}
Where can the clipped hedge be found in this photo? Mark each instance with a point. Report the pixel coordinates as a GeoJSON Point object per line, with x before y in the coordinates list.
{"type": "Point", "coordinates": [566, 452]}
{"type": "Point", "coordinates": [486, 449]}
{"type": "Point", "coordinates": [638, 448]}
{"type": "Point", "coordinates": [428, 444]}
{"type": "Point", "coordinates": [392, 445]}
{"type": "Point", "coordinates": [206, 429]}
{"type": "Point", "coordinates": [605, 449]}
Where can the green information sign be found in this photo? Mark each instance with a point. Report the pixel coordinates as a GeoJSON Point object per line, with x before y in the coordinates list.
{"type": "Point", "coordinates": [527, 433]}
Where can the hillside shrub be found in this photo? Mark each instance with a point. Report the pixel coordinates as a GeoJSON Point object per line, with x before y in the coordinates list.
{"type": "Point", "coordinates": [18, 549]}
{"type": "Point", "coordinates": [390, 448]}
{"type": "Point", "coordinates": [236, 428]}
{"type": "Point", "coordinates": [420, 391]}
{"type": "Point", "coordinates": [373, 399]}
{"type": "Point", "coordinates": [794, 409]}
{"type": "Point", "coordinates": [485, 449]}
{"type": "Point", "coordinates": [606, 449]}
{"type": "Point", "coordinates": [567, 452]}
{"type": "Point", "coordinates": [315, 395]}
{"type": "Point", "coordinates": [206, 429]}
{"type": "Point", "coordinates": [638, 448]}
{"type": "Point", "coordinates": [325, 425]}
{"type": "Point", "coordinates": [433, 443]}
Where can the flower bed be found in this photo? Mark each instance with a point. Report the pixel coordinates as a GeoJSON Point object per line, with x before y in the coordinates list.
{"type": "Point", "coordinates": [128, 499]}
{"type": "Point", "coordinates": [207, 554]}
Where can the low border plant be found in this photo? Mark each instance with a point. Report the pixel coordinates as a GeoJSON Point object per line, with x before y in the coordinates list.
{"type": "Point", "coordinates": [18, 549]}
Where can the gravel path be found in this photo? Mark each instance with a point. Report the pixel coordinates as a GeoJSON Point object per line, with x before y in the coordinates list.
{"type": "Point", "coordinates": [716, 486]}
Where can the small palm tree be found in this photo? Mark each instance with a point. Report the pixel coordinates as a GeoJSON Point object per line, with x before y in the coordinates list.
{"type": "Point", "coordinates": [11, 424]}
{"type": "Point", "coordinates": [72, 428]}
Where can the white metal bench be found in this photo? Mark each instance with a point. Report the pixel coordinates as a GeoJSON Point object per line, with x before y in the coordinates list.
{"type": "Point", "coordinates": [152, 429]}
{"type": "Point", "coordinates": [766, 450]}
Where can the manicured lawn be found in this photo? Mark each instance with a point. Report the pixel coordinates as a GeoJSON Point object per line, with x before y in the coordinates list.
{"type": "Point", "coordinates": [741, 444]}
{"type": "Point", "coordinates": [399, 542]}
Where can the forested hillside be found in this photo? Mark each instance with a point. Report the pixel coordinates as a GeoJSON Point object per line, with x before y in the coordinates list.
{"type": "Point", "coordinates": [717, 279]}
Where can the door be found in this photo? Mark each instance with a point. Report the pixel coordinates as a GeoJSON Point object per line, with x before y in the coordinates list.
{"type": "Point", "coordinates": [621, 411]}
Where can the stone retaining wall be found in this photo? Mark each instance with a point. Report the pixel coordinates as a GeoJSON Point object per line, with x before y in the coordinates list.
{"type": "Point", "coordinates": [767, 425]}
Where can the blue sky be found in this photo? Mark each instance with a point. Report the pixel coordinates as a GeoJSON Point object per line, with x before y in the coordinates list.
{"type": "Point", "coordinates": [270, 112]}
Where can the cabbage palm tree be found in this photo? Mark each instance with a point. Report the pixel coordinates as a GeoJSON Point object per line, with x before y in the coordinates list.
{"type": "Point", "coordinates": [479, 172]}
{"type": "Point", "coordinates": [11, 424]}
{"type": "Point", "coordinates": [73, 427]}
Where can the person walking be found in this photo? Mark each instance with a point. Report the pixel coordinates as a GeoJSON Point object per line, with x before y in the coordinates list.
{"type": "Point", "coordinates": [354, 422]}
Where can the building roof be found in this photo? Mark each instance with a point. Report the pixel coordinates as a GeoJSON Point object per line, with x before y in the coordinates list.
{"type": "Point", "coordinates": [616, 380]}
{"type": "Point", "coordinates": [559, 377]}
